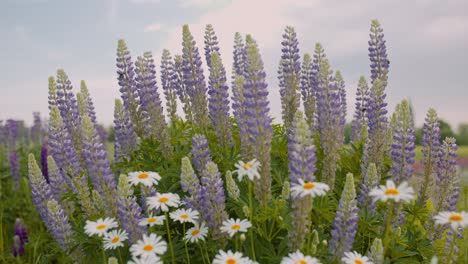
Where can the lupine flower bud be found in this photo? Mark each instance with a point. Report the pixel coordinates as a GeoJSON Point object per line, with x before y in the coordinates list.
{"type": "Point", "coordinates": [233, 190]}
{"type": "Point", "coordinates": [88, 106]}
{"type": "Point", "coordinates": [286, 191]}
{"type": "Point", "coordinates": [345, 223]}
{"type": "Point", "coordinates": [376, 252]}
{"type": "Point", "coordinates": [246, 211]}
{"type": "Point", "coordinates": [190, 183]}
{"type": "Point", "coordinates": [52, 93]}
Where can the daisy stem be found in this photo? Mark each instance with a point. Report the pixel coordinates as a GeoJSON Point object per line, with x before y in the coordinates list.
{"type": "Point", "coordinates": [251, 220]}
{"type": "Point", "coordinates": [103, 256]}
{"type": "Point", "coordinates": [186, 249]}
{"type": "Point", "coordinates": [207, 254]}
{"type": "Point", "coordinates": [120, 255]}
{"type": "Point", "coordinates": [169, 238]}
{"type": "Point", "coordinates": [202, 254]}
{"type": "Point", "coordinates": [452, 246]}
{"type": "Point", "coordinates": [388, 225]}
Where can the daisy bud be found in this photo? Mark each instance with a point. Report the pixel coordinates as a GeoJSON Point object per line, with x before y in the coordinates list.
{"type": "Point", "coordinates": [376, 252]}
{"type": "Point", "coordinates": [232, 188]}
{"type": "Point", "coordinates": [325, 242]}
{"type": "Point", "coordinates": [242, 237]}
{"type": "Point", "coordinates": [246, 211]}
{"type": "Point", "coordinates": [315, 242]}
{"type": "Point", "coordinates": [285, 192]}
{"type": "Point", "coordinates": [112, 260]}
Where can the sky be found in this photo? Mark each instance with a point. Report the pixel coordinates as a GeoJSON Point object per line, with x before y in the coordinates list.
{"type": "Point", "coordinates": [427, 43]}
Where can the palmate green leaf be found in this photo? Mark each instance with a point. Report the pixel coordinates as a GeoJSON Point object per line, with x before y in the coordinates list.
{"type": "Point", "coordinates": [368, 229]}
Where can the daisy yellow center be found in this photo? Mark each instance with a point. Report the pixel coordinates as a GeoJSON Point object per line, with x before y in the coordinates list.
{"type": "Point", "coordinates": [358, 261]}
{"type": "Point", "coordinates": [231, 261]}
{"type": "Point", "coordinates": [152, 220]}
{"type": "Point", "coordinates": [115, 240]}
{"type": "Point", "coordinates": [302, 261]}
{"type": "Point", "coordinates": [392, 191]}
{"type": "Point", "coordinates": [247, 166]}
{"type": "Point", "coordinates": [101, 226]}
{"type": "Point", "coordinates": [163, 199]}
{"type": "Point", "coordinates": [309, 185]}
{"type": "Point", "coordinates": [148, 248]}
{"type": "Point", "coordinates": [235, 227]}
{"type": "Point", "coordinates": [456, 217]}
{"type": "Point", "coordinates": [184, 216]}
{"type": "Point", "coordinates": [143, 176]}
{"type": "Point", "coordinates": [195, 232]}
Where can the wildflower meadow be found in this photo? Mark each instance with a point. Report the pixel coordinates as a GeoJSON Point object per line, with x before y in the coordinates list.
{"type": "Point", "coordinates": [223, 182]}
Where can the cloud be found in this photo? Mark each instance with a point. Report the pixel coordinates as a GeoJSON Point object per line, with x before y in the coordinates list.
{"type": "Point", "coordinates": [195, 3]}
{"type": "Point", "coordinates": [21, 32]}
{"type": "Point", "coordinates": [145, 1]}
{"type": "Point", "coordinates": [447, 28]}
{"type": "Point", "coordinates": [154, 27]}
{"type": "Point", "coordinates": [113, 11]}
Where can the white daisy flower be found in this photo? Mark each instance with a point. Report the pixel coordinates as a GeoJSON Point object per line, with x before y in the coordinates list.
{"type": "Point", "coordinates": [149, 246]}
{"type": "Point", "coordinates": [249, 169]}
{"type": "Point", "coordinates": [146, 260]}
{"type": "Point", "coordinates": [455, 219]}
{"type": "Point", "coordinates": [299, 258]}
{"type": "Point", "coordinates": [147, 178]}
{"type": "Point", "coordinates": [196, 233]}
{"type": "Point", "coordinates": [232, 226]}
{"type": "Point", "coordinates": [390, 192]}
{"type": "Point", "coordinates": [185, 215]}
{"type": "Point", "coordinates": [100, 227]}
{"type": "Point", "coordinates": [163, 201]}
{"type": "Point", "coordinates": [305, 188]}
{"type": "Point", "coordinates": [230, 258]}
{"type": "Point", "coordinates": [115, 239]}
{"type": "Point", "coordinates": [152, 220]}
{"type": "Point", "coordinates": [355, 258]}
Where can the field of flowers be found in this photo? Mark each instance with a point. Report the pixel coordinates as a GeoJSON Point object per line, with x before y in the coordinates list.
{"type": "Point", "coordinates": [208, 187]}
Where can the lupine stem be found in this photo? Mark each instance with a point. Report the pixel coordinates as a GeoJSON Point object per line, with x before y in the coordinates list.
{"type": "Point", "coordinates": [186, 249]}
{"type": "Point", "coordinates": [251, 220]}
{"type": "Point", "coordinates": [388, 225]}
{"type": "Point", "coordinates": [169, 238]}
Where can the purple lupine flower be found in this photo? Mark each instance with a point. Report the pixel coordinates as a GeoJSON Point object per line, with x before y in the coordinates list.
{"type": "Point", "coordinates": [167, 72]}
{"type": "Point", "coordinates": [11, 127]}
{"type": "Point", "coordinates": [378, 53]}
{"type": "Point", "coordinates": [301, 156]}
{"type": "Point", "coordinates": [88, 103]}
{"type": "Point", "coordinates": [289, 76]}
{"type": "Point", "coordinates": [219, 101]}
{"type": "Point", "coordinates": [212, 199]}
{"type": "Point", "coordinates": [201, 154]}
{"type": "Point", "coordinates": [128, 210]}
{"type": "Point", "coordinates": [451, 247]}
{"type": "Point", "coordinates": [346, 221]}
{"type": "Point", "coordinates": [301, 151]}
{"type": "Point", "coordinates": [41, 192]}
{"type": "Point", "coordinates": [95, 158]}
{"type": "Point", "coordinates": [257, 111]}
{"type": "Point", "coordinates": [152, 110]}
{"type": "Point", "coordinates": [189, 183]}
{"type": "Point", "coordinates": [59, 225]}
{"type": "Point", "coordinates": [37, 129]}
{"type": "Point", "coordinates": [20, 231]}
{"type": "Point", "coordinates": [194, 79]}
{"type": "Point", "coordinates": [308, 94]}
{"type": "Point", "coordinates": [369, 181]}
{"type": "Point", "coordinates": [57, 182]}
{"type": "Point", "coordinates": [18, 246]}
{"type": "Point", "coordinates": [52, 93]}
{"type": "Point", "coordinates": [342, 92]}
{"type": "Point", "coordinates": [329, 115]}
{"type": "Point", "coordinates": [430, 149]}
{"type": "Point", "coordinates": [44, 165]}
{"type": "Point", "coordinates": [238, 100]}
{"type": "Point", "coordinates": [15, 169]}
{"type": "Point", "coordinates": [68, 106]}
{"type": "Point", "coordinates": [125, 137]}
{"type": "Point", "coordinates": [359, 123]}
{"type": "Point", "coordinates": [103, 134]}
{"type": "Point", "coordinates": [177, 79]}
{"type": "Point", "coordinates": [211, 44]}
{"type": "Point", "coordinates": [403, 144]}
{"type": "Point", "coordinates": [128, 88]}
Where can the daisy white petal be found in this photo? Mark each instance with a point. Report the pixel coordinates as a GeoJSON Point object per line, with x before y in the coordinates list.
{"type": "Point", "coordinates": [389, 191]}
{"type": "Point", "coordinates": [149, 246]}
{"type": "Point", "coordinates": [197, 233]}
{"type": "Point", "coordinates": [304, 188]}
{"type": "Point", "coordinates": [115, 239]}
{"type": "Point", "coordinates": [232, 226]}
{"type": "Point", "coordinates": [185, 215]}
{"type": "Point", "coordinates": [100, 226]}
{"type": "Point", "coordinates": [146, 260]}
{"type": "Point", "coordinates": [455, 219]}
{"type": "Point", "coordinates": [249, 169]}
{"type": "Point", "coordinates": [163, 201]}
{"type": "Point", "coordinates": [298, 257]}
{"type": "Point", "coordinates": [230, 258]}
{"type": "Point", "coordinates": [355, 258]}
{"type": "Point", "coordinates": [147, 178]}
{"type": "Point", "coordinates": [152, 220]}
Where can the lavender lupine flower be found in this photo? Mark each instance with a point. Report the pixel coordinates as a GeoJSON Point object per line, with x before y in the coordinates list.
{"type": "Point", "coordinates": [18, 246]}
{"type": "Point", "coordinates": [211, 44]}
{"type": "Point", "coordinates": [194, 79]}
{"type": "Point", "coordinates": [342, 92]}
{"type": "Point", "coordinates": [167, 71]}
{"type": "Point", "coordinates": [219, 101]}
{"type": "Point", "coordinates": [95, 158]}
{"type": "Point", "coordinates": [15, 169]}
{"type": "Point", "coordinates": [181, 89]}
{"type": "Point", "coordinates": [52, 93]}
{"type": "Point", "coordinates": [151, 108]}
{"type": "Point", "coordinates": [403, 145]}
{"type": "Point", "coordinates": [56, 178]}
{"type": "Point", "coordinates": [430, 149]}
{"type": "Point", "coordinates": [376, 252]}
{"type": "Point", "coordinates": [345, 223]}
{"type": "Point", "coordinates": [308, 94]}
{"type": "Point", "coordinates": [289, 76]}
{"type": "Point", "coordinates": [212, 199]}
{"type": "Point", "coordinates": [329, 116]}
{"type": "Point", "coordinates": [378, 53]}
{"type": "Point", "coordinates": [88, 103]}
{"type": "Point", "coordinates": [68, 106]}
{"type": "Point", "coordinates": [301, 153]}
{"type": "Point", "coordinates": [257, 110]}
{"type": "Point", "coordinates": [59, 225]}
{"type": "Point", "coordinates": [12, 134]}
{"type": "Point", "coordinates": [446, 189]}
{"type": "Point", "coordinates": [201, 154]}
{"type": "Point", "coordinates": [128, 88]}
{"type": "Point", "coordinates": [44, 165]}
{"type": "Point", "coordinates": [453, 251]}
{"type": "Point", "coordinates": [37, 129]}
{"type": "Point", "coordinates": [103, 134]}
{"type": "Point", "coordinates": [359, 123]}
{"type": "Point", "coordinates": [369, 181]}
{"type": "Point", "coordinates": [20, 230]}
{"type": "Point", "coordinates": [130, 213]}
{"type": "Point", "coordinates": [41, 192]}
{"type": "Point", "coordinates": [125, 137]}
{"type": "Point", "coordinates": [190, 183]}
